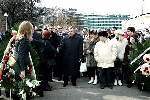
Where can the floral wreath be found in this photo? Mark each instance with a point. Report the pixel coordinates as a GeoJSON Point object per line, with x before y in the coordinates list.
{"type": "Point", "coordinates": [28, 84]}
{"type": "Point", "coordinates": [145, 68]}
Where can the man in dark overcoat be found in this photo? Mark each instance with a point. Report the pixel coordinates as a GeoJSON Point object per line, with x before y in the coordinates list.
{"type": "Point", "coordinates": [55, 43]}
{"type": "Point", "coordinates": [72, 48]}
{"type": "Point", "coordinates": [59, 56]}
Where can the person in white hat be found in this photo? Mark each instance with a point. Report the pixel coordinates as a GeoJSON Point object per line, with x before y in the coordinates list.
{"type": "Point", "coordinates": [121, 43]}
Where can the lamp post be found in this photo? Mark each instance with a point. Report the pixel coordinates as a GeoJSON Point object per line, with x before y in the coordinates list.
{"type": "Point", "coordinates": [6, 15]}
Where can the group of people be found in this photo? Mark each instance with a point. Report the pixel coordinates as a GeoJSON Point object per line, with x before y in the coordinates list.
{"type": "Point", "coordinates": [106, 55]}
{"type": "Point", "coordinates": [104, 52]}
{"type": "Point", "coordinates": [65, 49]}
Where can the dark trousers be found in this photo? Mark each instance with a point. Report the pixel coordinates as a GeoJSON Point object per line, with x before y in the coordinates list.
{"type": "Point", "coordinates": [73, 79]}
{"type": "Point", "coordinates": [59, 64]}
{"type": "Point", "coordinates": [127, 75]}
{"type": "Point", "coordinates": [117, 70]}
{"type": "Point", "coordinates": [105, 75]}
{"type": "Point", "coordinates": [91, 71]}
{"type": "Point", "coordinates": [46, 74]}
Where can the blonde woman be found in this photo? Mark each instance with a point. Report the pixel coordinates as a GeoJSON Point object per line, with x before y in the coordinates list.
{"type": "Point", "coordinates": [22, 49]}
{"type": "Point", "coordinates": [121, 44]}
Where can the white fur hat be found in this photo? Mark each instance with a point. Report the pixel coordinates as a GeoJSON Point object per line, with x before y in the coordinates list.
{"type": "Point", "coordinates": [119, 32]}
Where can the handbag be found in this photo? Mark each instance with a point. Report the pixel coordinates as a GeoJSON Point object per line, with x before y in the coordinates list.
{"type": "Point", "coordinates": [83, 67]}
{"type": "Point", "coordinates": [14, 65]}
{"type": "Point", "coordinates": [50, 62]}
{"type": "Point", "coordinates": [11, 60]}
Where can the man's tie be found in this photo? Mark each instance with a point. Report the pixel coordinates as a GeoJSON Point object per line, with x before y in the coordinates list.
{"type": "Point", "coordinates": [60, 36]}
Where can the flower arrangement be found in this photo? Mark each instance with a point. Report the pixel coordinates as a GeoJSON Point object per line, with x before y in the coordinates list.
{"type": "Point", "coordinates": [145, 68]}
{"type": "Point", "coordinates": [7, 74]}
{"type": "Point", "coordinates": [27, 87]}
{"type": "Point", "coordinates": [146, 58]}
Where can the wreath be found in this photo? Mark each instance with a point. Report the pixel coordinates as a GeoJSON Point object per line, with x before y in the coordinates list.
{"type": "Point", "coordinates": [7, 74]}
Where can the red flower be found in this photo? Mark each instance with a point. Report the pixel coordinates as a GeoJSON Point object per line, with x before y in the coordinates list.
{"type": "Point", "coordinates": [7, 80]}
{"type": "Point", "coordinates": [147, 59]}
{"type": "Point", "coordinates": [14, 38]}
{"type": "Point", "coordinates": [146, 68]}
{"type": "Point", "coordinates": [29, 66]}
{"type": "Point", "coordinates": [11, 76]}
{"type": "Point", "coordinates": [3, 71]}
{"type": "Point", "coordinates": [30, 71]}
{"type": "Point", "coordinates": [6, 57]}
{"type": "Point", "coordinates": [10, 44]}
{"type": "Point", "coordinates": [11, 84]}
{"type": "Point", "coordinates": [0, 74]}
{"type": "Point", "coordinates": [11, 81]}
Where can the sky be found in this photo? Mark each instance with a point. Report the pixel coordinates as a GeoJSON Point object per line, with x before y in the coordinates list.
{"type": "Point", "coordinates": [102, 7]}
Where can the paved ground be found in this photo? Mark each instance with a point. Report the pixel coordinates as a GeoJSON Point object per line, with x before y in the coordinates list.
{"type": "Point", "coordinates": [84, 91]}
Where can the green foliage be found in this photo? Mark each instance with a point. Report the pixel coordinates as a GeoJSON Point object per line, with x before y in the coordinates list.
{"type": "Point", "coordinates": [137, 49]}
{"type": "Point", "coordinates": [4, 43]}
{"type": "Point", "coordinates": [15, 27]}
{"type": "Point", "coordinates": [35, 59]}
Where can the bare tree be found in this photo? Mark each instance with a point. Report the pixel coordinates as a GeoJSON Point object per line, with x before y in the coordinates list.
{"type": "Point", "coordinates": [19, 10]}
{"type": "Point", "coordinates": [63, 17]}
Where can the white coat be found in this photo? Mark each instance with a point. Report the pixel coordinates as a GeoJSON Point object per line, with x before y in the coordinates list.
{"type": "Point", "coordinates": [105, 53]}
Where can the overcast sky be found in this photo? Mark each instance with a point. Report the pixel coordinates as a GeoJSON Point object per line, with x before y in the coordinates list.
{"type": "Point", "coordinates": [132, 7]}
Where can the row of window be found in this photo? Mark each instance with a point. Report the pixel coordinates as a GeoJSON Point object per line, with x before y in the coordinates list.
{"type": "Point", "coordinates": [102, 28]}
{"type": "Point", "coordinates": [118, 18]}
{"type": "Point", "coordinates": [104, 21]}
{"type": "Point", "coordinates": [105, 24]}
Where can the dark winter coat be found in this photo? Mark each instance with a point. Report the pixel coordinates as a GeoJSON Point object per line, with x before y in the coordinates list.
{"type": "Point", "coordinates": [72, 50]}
{"type": "Point", "coordinates": [38, 42]}
{"type": "Point", "coordinates": [90, 60]}
{"type": "Point", "coordinates": [22, 48]}
{"type": "Point", "coordinates": [48, 50]}
{"type": "Point", "coordinates": [60, 54]}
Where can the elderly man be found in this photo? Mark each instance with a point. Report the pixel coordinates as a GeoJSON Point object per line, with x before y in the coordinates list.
{"type": "Point", "coordinates": [105, 53]}
{"type": "Point", "coordinates": [72, 48]}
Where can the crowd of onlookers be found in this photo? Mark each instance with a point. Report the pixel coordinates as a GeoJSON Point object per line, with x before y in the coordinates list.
{"type": "Point", "coordinates": [104, 52]}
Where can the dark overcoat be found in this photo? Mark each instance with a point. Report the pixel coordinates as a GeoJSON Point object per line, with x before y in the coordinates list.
{"type": "Point", "coordinates": [72, 48]}
{"type": "Point", "coordinates": [38, 43]}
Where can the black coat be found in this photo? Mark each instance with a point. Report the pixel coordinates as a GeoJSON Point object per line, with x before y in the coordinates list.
{"type": "Point", "coordinates": [38, 43]}
{"type": "Point", "coordinates": [48, 50]}
{"type": "Point", "coordinates": [22, 48]}
{"type": "Point", "coordinates": [60, 54]}
{"type": "Point", "coordinates": [72, 51]}
{"type": "Point", "coordinates": [54, 40]}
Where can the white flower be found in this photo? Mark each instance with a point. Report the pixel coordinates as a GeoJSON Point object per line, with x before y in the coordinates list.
{"type": "Point", "coordinates": [11, 71]}
{"type": "Point", "coordinates": [24, 96]}
{"type": "Point", "coordinates": [33, 94]}
{"type": "Point", "coordinates": [35, 82]}
{"type": "Point", "coordinates": [21, 92]}
{"type": "Point", "coordinates": [29, 83]}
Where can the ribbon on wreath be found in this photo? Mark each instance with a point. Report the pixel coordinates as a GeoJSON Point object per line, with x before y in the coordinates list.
{"type": "Point", "coordinates": [139, 56]}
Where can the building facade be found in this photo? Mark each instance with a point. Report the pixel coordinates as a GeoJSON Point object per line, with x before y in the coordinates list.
{"type": "Point", "coordinates": [140, 22]}
{"type": "Point", "coordinates": [104, 21]}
